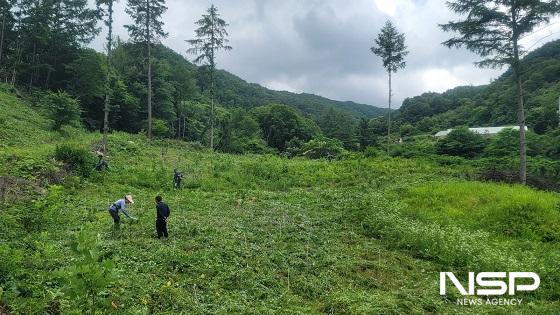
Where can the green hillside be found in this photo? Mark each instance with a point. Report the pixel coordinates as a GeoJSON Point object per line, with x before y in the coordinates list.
{"type": "Point", "coordinates": [236, 92]}
{"type": "Point", "coordinates": [178, 85]}
{"type": "Point", "coordinates": [493, 104]}
{"type": "Point", "coordinates": [253, 234]}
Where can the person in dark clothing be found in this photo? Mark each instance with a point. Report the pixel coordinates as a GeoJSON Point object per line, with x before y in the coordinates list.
{"type": "Point", "coordinates": [101, 164]}
{"type": "Point", "coordinates": [177, 178]}
{"type": "Point", "coordinates": [162, 214]}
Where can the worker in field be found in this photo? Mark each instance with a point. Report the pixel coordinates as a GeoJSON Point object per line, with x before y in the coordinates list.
{"type": "Point", "coordinates": [162, 215]}
{"type": "Point", "coordinates": [177, 178]}
{"type": "Point", "coordinates": [120, 206]}
{"type": "Point", "coordinates": [101, 163]}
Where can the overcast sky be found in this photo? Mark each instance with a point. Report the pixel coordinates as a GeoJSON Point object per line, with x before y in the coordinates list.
{"type": "Point", "coordinates": [322, 46]}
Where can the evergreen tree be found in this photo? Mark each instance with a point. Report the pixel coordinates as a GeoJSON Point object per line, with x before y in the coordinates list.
{"type": "Point", "coordinates": [49, 36]}
{"type": "Point", "coordinates": [390, 46]}
{"type": "Point", "coordinates": [70, 23]}
{"type": "Point", "coordinates": [105, 7]}
{"type": "Point", "coordinates": [338, 125]}
{"type": "Point", "coordinates": [6, 27]}
{"type": "Point", "coordinates": [365, 134]}
{"type": "Point", "coordinates": [211, 38]}
{"type": "Point", "coordinates": [147, 28]}
{"type": "Point", "coordinates": [492, 29]}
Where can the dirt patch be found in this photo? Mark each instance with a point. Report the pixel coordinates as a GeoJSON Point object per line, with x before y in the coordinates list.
{"type": "Point", "coordinates": [14, 189]}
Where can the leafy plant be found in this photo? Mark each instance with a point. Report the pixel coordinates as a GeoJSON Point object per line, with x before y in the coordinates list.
{"type": "Point", "coordinates": [323, 148]}
{"type": "Point", "coordinates": [160, 129]}
{"type": "Point", "coordinates": [461, 142]}
{"type": "Point", "coordinates": [90, 274]}
{"type": "Point", "coordinates": [64, 109]}
{"type": "Point", "coordinates": [76, 159]}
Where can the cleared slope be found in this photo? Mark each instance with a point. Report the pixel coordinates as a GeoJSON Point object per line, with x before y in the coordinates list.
{"type": "Point", "coordinates": [263, 235]}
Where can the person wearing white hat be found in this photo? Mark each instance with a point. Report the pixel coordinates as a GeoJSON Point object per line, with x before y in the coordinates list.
{"type": "Point", "coordinates": [120, 206]}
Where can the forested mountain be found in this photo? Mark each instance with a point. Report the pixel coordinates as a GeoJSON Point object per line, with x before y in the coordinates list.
{"type": "Point", "coordinates": [234, 91]}
{"type": "Point", "coordinates": [43, 51]}
{"type": "Point", "coordinates": [492, 104]}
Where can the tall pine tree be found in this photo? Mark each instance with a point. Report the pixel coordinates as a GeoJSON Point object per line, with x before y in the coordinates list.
{"type": "Point", "coordinates": [147, 28]}
{"type": "Point", "coordinates": [105, 7]}
{"type": "Point", "coordinates": [390, 46]}
{"type": "Point", "coordinates": [211, 37]}
{"type": "Point", "coordinates": [50, 34]}
{"type": "Point", "coordinates": [492, 29]}
{"type": "Point", "coordinates": [7, 24]}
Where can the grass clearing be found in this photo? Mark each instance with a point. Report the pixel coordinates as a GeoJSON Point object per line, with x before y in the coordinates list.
{"type": "Point", "coordinates": [267, 235]}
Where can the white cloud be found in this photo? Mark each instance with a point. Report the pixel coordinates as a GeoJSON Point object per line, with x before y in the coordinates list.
{"type": "Point", "coordinates": [322, 46]}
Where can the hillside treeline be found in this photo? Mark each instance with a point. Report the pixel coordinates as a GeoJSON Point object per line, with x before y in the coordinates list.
{"type": "Point", "coordinates": [493, 104]}
{"type": "Point", "coordinates": [42, 51]}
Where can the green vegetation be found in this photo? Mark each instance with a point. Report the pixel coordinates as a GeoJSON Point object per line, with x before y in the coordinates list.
{"type": "Point", "coordinates": [256, 233]}
{"type": "Point", "coordinates": [390, 46]}
{"type": "Point", "coordinates": [310, 216]}
{"type": "Point", "coordinates": [462, 142]}
{"type": "Point", "coordinates": [76, 159]}
{"type": "Point", "coordinates": [64, 109]}
{"type": "Point", "coordinates": [491, 105]}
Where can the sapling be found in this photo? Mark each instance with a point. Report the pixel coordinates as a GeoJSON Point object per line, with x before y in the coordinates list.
{"type": "Point", "coordinates": [89, 274]}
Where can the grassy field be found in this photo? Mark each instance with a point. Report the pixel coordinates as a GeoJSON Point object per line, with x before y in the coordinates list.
{"type": "Point", "coordinates": [256, 234]}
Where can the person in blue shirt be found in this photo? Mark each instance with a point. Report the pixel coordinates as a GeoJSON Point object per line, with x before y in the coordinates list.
{"type": "Point", "coordinates": [120, 206]}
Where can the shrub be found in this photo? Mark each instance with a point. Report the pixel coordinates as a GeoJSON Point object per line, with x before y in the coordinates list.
{"type": "Point", "coordinates": [371, 152]}
{"type": "Point", "coordinates": [294, 147]}
{"type": "Point", "coordinates": [64, 109]}
{"type": "Point", "coordinates": [323, 147]}
{"type": "Point", "coordinates": [90, 274]}
{"type": "Point", "coordinates": [120, 142]}
{"type": "Point", "coordinates": [160, 128]}
{"type": "Point", "coordinates": [257, 146]}
{"type": "Point", "coordinates": [76, 160]}
{"type": "Point", "coordinates": [505, 143]}
{"type": "Point", "coordinates": [461, 142]}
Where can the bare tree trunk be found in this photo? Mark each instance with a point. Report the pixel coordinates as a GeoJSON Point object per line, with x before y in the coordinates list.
{"type": "Point", "coordinates": [2, 36]}
{"type": "Point", "coordinates": [148, 39]}
{"type": "Point", "coordinates": [16, 64]}
{"type": "Point", "coordinates": [19, 49]}
{"type": "Point", "coordinates": [32, 65]}
{"type": "Point", "coordinates": [522, 140]}
{"type": "Point", "coordinates": [48, 78]}
{"type": "Point", "coordinates": [212, 112]}
{"type": "Point", "coordinates": [212, 72]}
{"type": "Point", "coordinates": [520, 115]}
{"type": "Point", "coordinates": [389, 116]}
{"type": "Point", "coordinates": [108, 79]}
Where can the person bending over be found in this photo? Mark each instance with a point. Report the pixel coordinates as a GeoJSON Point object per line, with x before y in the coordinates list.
{"type": "Point", "coordinates": [120, 206]}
